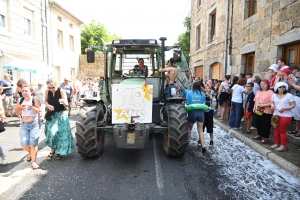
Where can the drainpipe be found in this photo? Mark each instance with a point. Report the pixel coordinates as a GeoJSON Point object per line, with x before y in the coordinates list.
{"type": "Point", "coordinates": [42, 26]}
{"type": "Point", "coordinates": [46, 22]}
{"type": "Point", "coordinates": [226, 35]}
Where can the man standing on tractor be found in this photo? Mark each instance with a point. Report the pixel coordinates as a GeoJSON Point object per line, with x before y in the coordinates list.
{"type": "Point", "coordinates": [172, 74]}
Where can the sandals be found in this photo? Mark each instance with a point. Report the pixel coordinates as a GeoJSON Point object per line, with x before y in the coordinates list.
{"type": "Point", "coordinates": [58, 157]}
{"type": "Point", "coordinates": [35, 166]}
{"type": "Point", "coordinates": [50, 156]}
{"type": "Point", "coordinates": [297, 135]}
{"type": "Point", "coordinates": [264, 141]}
{"type": "Point", "coordinates": [256, 137]}
{"type": "Point", "coordinates": [293, 132]}
{"type": "Point", "coordinates": [28, 158]}
{"type": "Point", "coordinates": [246, 132]}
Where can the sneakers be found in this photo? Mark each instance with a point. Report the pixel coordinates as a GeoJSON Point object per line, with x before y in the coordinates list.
{"type": "Point", "coordinates": [203, 149]}
{"type": "Point", "coordinates": [240, 128]}
{"type": "Point", "coordinates": [253, 128]}
{"type": "Point", "coordinates": [211, 143]}
{"type": "Point", "coordinates": [4, 160]}
{"type": "Point", "coordinates": [281, 148]}
{"type": "Point", "coordinates": [274, 146]}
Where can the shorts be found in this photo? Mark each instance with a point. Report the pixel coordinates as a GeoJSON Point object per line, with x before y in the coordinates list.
{"type": "Point", "coordinates": [247, 116]}
{"type": "Point", "coordinates": [30, 133]}
{"type": "Point", "coordinates": [69, 101]}
{"type": "Point", "coordinates": [8, 102]}
{"type": "Point", "coordinates": [209, 124]}
{"type": "Point", "coordinates": [77, 95]}
{"type": "Point", "coordinates": [196, 115]}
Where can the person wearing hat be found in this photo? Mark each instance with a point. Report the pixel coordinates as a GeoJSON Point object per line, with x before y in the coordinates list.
{"type": "Point", "coordinates": [172, 73]}
{"type": "Point", "coordinates": [282, 104]}
{"type": "Point", "coordinates": [8, 91]}
{"type": "Point", "coordinates": [282, 75]}
{"type": "Point", "coordinates": [262, 108]}
{"type": "Point", "coordinates": [273, 70]}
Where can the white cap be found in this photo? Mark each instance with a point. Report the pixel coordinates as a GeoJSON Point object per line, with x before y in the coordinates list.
{"type": "Point", "coordinates": [274, 67]}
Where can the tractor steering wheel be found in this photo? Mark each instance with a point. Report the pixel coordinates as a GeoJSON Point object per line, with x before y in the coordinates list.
{"type": "Point", "coordinates": [135, 71]}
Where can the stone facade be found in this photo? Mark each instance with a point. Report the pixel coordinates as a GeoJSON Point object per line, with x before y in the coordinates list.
{"type": "Point", "coordinates": [34, 46]}
{"type": "Point", "coordinates": [93, 70]}
{"type": "Point", "coordinates": [266, 35]}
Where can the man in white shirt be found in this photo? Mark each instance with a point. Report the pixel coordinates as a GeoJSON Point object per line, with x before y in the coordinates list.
{"type": "Point", "coordinates": [282, 63]}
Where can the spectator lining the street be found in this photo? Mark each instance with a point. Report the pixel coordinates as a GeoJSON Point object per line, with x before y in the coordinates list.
{"type": "Point", "coordinates": [68, 88]}
{"type": "Point", "coordinates": [209, 115]}
{"type": "Point", "coordinates": [282, 63]}
{"type": "Point", "coordinates": [78, 86]}
{"type": "Point", "coordinates": [8, 91]}
{"type": "Point", "coordinates": [224, 97]}
{"type": "Point", "coordinates": [237, 103]}
{"type": "Point", "coordinates": [262, 108]}
{"type": "Point", "coordinates": [249, 77]}
{"type": "Point", "coordinates": [2, 110]}
{"type": "Point", "coordinates": [256, 81]}
{"type": "Point", "coordinates": [196, 96]}
{"type": "Point", "coordinates": [30, 128]}
{"type": "Point", "coordinates": [282, 104]}
{"type": "Point", "coordinates": [273, 70]}
{"type": "Point", "coordinates": [296, 110]}
{"type": "Point", "coordinates": [282, 75]}
{"type": "Point", "coordinates": [249, 105]}
{"type": "Point", "coordinates": [40, 94]}
{"type": "Point", "coordinates": [57, 130]}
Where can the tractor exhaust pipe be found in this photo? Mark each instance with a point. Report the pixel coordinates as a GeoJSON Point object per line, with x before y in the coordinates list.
{"type": "Point", "coordinates": [162, 91]}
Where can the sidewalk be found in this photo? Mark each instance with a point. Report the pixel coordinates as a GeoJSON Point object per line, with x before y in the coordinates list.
{"type": "Point", "coordinates": [288, 160]}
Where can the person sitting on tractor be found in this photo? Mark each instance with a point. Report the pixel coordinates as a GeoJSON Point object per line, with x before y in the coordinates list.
{"type": "Point", "coordinates": [172, 74]}
{"type": "Point", "coordinates": [141, 68]}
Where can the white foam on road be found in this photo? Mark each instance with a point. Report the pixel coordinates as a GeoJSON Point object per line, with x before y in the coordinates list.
{"type": "Point", "coordinates": [159, 176]}
{"type": "Point", "coordinates": [245, 171]}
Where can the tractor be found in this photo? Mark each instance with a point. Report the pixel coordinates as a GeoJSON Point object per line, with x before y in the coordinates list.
{"type": "Point", "coordinates": [132, 105]}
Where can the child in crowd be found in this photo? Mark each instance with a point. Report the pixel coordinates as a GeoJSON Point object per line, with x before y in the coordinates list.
{"type": "Point", "coordinates": [249, 107]}
{"type": "Point", "coordinates": [209, 115]}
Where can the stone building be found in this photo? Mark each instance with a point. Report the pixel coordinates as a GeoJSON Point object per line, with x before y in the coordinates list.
{"type": "Point", "coordinates": [92, 70]}
{"type": "Point", "coordinates": [232, 37]}
{"type": "Point", "coordinates": [38, 39]}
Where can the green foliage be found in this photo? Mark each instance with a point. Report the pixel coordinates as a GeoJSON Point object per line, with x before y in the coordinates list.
{"type": "Point", "coordinates": [92, 33]}
{"type": "Point", "coordinates": [184, 38]}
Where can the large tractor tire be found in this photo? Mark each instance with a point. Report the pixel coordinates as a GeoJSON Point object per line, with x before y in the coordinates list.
{"type": "Point", "coordinates": [176, 140]}
{"type": "Point", "coordinates": [89, 143]}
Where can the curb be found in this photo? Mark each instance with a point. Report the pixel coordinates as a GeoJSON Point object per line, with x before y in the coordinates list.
{"type": "Point", "coordinates": [263, 151]}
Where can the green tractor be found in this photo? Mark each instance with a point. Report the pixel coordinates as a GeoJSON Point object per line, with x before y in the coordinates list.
{"type": "Point", "coordinates": [132, 105]}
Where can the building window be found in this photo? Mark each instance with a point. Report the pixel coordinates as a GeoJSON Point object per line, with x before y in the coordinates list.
{"type": "Point", "coordinates": [60, 39]}
{"type": "Point", "coordinates": [212, 26]}
{"type": "Point", "coordinates": [251, 7]}
{"type": "Point", "coordinates": [59, 18]}
{"type": "Point", "coordinates": [292, 55]}
{"type": "Point", "coordinates": [71, 25]}
{"type": "Point", "coordinates": [3, 13]}
{"type": "Point", "coordinates": [71, 42]}
{"type": "Point", "coordinates": [28, 22]}
{"type": "Point", "coordinates": [198, 3]}
{"type": "Point", "coordinates": [198, 36]}
{"type": "Point", "coordinates": [249, 65]}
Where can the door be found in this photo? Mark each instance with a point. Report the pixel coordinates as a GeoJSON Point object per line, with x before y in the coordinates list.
{"type": "Point", "coordinates": [216, 71]}
{"type": "Point", "coordinates": [292, 55]}
{"type": "Point", "coordinates": [249, 65]}
{"type": "Point", "coordinates": [199, 72]}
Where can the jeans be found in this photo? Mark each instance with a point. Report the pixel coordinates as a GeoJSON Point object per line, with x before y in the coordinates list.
{"type": "Point", "coordinates": [1, 151]}
{"type": "Point", "coordinates": [235, 115]}
{"type": "Point", "coordinates": [94, 94]}
{"type": "Point", "coordinates": [168, 90]}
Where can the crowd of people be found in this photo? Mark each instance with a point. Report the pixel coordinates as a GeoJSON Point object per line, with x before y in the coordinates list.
{"type": "Point", "coordinates": [36, 105]}
{"type": "Point", "coordinates": [261, 103]}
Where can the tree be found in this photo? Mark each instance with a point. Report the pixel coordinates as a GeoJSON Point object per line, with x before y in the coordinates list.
{"type": "Point", "coordinates": [184, 38]}
{"type": "Point", "coordinates": [92, 33]}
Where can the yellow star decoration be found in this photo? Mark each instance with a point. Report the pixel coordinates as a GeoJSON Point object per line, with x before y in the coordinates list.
{"type": "Point", "coordinates": [148, 90]}
{"type": "Point", "coordinates": [122, 115]}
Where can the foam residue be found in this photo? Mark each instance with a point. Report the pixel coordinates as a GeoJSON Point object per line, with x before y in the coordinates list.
{"type": "Point", "coordinates": [245, 171]}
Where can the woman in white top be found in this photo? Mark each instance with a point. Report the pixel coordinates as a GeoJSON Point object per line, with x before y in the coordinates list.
{"type": "Point", "coordinates": [30, 130]}
{"type": "Point", "coordinates": [282, 103]}
{"type": "Point", "coordinates": [236, 112]}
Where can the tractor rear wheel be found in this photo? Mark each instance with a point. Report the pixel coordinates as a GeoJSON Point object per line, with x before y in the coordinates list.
{"type": "Point", "coordinates": [89, 143]}
{"type": "Point", "coordinates": [176, 140]}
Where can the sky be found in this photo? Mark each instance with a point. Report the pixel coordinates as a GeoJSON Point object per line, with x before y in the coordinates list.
{"type": "Point", "coordinates": [134, 19]}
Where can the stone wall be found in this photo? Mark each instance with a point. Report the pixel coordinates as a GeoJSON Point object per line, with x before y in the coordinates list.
{"type": "Point", "coordinates": [94, 70]}
{"type": "Point", "coordinates": [275, 25]}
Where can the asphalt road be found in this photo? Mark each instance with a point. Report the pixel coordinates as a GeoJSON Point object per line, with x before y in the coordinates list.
{"type": "Point", "coordinates": [140, 174]}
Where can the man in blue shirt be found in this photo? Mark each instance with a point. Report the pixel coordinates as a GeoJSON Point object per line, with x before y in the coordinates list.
{"type": "Point", "coordinates": [8, 91]}
{"type": "Point", "coordinates": [68, 88]}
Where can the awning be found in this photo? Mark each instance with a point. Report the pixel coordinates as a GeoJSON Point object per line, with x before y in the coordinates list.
{"type": "Point", "coordinates": [23, 63]}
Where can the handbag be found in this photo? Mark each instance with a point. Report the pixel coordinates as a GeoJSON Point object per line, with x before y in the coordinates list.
{"type": "Point", "coordinates": [275, 121]}
{"type": "Point", "coordinates": [49, 115]}
{"type": "Point", "coordinates": [259, 110]}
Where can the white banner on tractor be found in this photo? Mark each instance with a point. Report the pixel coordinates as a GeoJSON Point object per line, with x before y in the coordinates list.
{"type": "Point", "coordinates": [131, 102]}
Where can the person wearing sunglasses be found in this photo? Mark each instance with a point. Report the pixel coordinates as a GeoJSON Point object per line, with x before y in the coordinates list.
{"type": "Point", "coordinates": [282, 104]}
{"type": "Point", "coordinates": [57, 129]}
{"type": "Point", "coordinates": [29, 107]}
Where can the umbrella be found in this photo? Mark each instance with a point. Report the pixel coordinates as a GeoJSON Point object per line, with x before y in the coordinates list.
{"type": "Point", "coordinates": [24, 65]}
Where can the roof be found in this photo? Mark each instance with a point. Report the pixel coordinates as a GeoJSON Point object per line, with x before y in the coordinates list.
{"type": "Point", "coordinates": [65, 10]}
